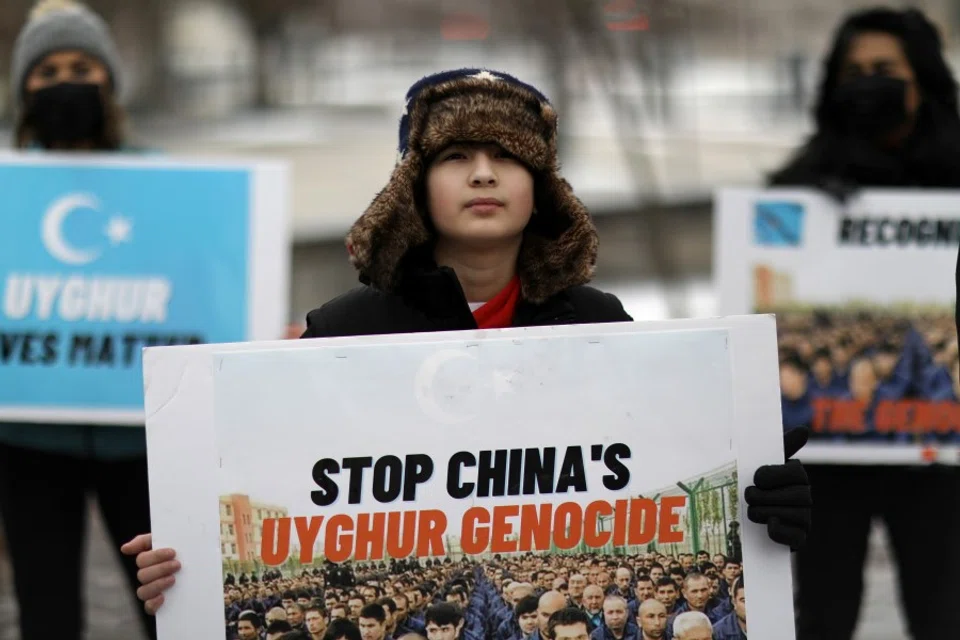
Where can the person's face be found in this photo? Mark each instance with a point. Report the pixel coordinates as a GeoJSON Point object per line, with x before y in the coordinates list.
{"type": "Point", "coordinates": [370, 629]}
{"type": "Point", "coordinates": [338, 613]}
{"type": "Point", "coordinates": [528, 622]}
{"type": "Point", "coordinates": [401, 613]}
{"type": "Point", "coordinates": [823, 369]}
{"type": "Point", "coordinates": [793, 383]}
{"type": "Point", "coordinates": [286, 602]}
{"type": "Point", "coordinates": [652, 619]}
{"type": "Point", "coordinates": [703, 556]}
{"type": "Point", "coordinates": [697, 593]}
{"type": "Point", "coordinates": [678, 579]}
{"type": "Point", "coordinates": [656, 574]}
{"type": "Point", "coordinates": [603, 580]}
{"type": "Point", "coordinates": [74, 67]}
{"type": "Point", "coordinates": [718, 561]}
{"type": "Point", "coordinates": [316, 625]}
{"type": "Point", "coordinates": [740, 605]}
{"type": "Point", "coordinates": [355, 605]}
{"type": "Point", "coordinates": [545, 609]}
{"type": "Point", "coordinates": [644, 590]}
{"type": "Point", "coordinates": [686, 562]}
{"type": "Point", "coordinates": [295, 616]}
{"type": "Point", "coordinates": [615, 615]}
{"type": "Point", "coordinates": [303, 602]}
{"type": "Point", "coordinates": [246, 630]}
{"type": "Point", "coordinates": [547, 578]}
{"type": "Point", "coordinates": [884, 363]}
{"type": "Point", "coordinates": [667, 595]}
{"type": "Point", "coordinates": [559, 584]}
{"type": "Point", "coordinates": [881, 54]}
{"type": "Point", "coordinates": [731, 572]}
{"type": "Point", "coordinates": [369, 595]}
{"type": "Point", "coordinates": [623, 580]}
{"type": "Point", "coordinates": [330, 603]}
{"type": "Point", "coordinates": [593, 598]}
{"type": "Point", "coordinates": [577, 584]}
{"type": "Point", "coordinates": [714, 586]}
{"type": "Point", "coordinates": [863, 381]}
{"type": "Point", "coordinates": [576, 631]}
{"type": "Point", "coordinates": [446, 632]}
{"type": "Point", "coordinates": [460, 177]}
{"type": "Point", "coordinates": [519, 594]}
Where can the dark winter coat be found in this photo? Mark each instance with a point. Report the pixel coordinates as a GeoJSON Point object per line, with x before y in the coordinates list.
{"type": "Point", "coordinates": [431, 299]}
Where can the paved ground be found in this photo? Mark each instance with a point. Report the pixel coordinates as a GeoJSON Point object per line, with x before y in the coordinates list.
{"type": "Point", "coordinates": [109, 608]}
{"type": "Point", "coordinates": [112, 614]}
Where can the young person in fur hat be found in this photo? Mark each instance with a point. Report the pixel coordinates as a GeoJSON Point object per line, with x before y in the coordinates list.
{"type": "Point", "coordinates": [476, 229]}
{"type": "Point", "coordinates": [65, 78]}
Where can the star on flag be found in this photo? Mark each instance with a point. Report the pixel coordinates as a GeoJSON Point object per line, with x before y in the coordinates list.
{"type": "Point", "coordinates": [118, 230]}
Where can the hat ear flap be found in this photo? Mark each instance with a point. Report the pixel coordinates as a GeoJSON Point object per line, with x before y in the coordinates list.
{"type": "Point", "coordinates": [390, 227]}
{"type": "Point", "coordinates": [559, 250]}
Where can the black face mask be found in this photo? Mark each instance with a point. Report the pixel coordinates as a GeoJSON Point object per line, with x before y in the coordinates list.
{"type": "Point", "coordinates": [66, 113]}
{"type": "Point", "coordinates": [871, 106]}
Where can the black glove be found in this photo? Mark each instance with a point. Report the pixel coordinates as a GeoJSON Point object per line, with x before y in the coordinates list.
{"type": "Point", "coordinates": [781, 498]}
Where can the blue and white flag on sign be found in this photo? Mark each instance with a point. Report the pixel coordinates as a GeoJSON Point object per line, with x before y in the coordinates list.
{"type": "Point", "coordinates": [98, 261]}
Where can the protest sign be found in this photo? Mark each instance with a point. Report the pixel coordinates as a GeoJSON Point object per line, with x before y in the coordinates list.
{"type": "Point", "coordinates": [102, 257]}
{"type": "Point", "coordinates": [546, 446]}
{"type": "Point", "coordinates": [864, 295]}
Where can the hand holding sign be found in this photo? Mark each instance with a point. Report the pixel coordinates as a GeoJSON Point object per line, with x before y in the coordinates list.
{"type": "Point", "coordinates": [781, 498]}
{"type": "Point", "coordinates": [157, 568]}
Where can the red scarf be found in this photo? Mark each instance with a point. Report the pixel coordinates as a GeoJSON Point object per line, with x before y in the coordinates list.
{"type": "Point", "coordinates": [498, 312]}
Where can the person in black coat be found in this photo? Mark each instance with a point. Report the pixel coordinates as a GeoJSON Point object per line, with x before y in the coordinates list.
{"type": "Point", "coordinates": [534, 242]}
{"type": "Point", "coordinates": [477, 229]}
{"type": "Point", "coordinates": [886, 116]}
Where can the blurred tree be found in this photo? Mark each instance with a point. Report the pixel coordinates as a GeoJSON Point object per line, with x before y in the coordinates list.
{"type": "Point", "coordinates": [625, 57]}
{"type": "Point", "coordinates": [266, 20]}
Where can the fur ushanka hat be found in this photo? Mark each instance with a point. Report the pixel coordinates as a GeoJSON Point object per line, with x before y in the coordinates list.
{"type": "Point", "coordinates": [475, 105]}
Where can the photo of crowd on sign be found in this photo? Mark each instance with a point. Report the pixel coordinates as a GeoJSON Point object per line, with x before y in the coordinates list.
{"type": "Point", "coordinates": [687, 590]}
{"type": "Point", "coordinates": [861, 372]}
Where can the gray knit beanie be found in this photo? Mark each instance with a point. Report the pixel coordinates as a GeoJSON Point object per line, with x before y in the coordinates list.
{"type": "Point", "coordinates": [59, 25]}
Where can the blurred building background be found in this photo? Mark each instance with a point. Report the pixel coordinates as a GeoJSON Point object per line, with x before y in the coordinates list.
{"type": "Point", "coordinates": [660, 102]}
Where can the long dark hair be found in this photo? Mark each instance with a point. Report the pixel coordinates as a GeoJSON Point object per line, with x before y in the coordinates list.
{"type": "Point", "coordinates": [936, 135]}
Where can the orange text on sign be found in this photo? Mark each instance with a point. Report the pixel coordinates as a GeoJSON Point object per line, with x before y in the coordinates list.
{"type": "Point", "coordinates": [920, 417]}
{"type": "Point", "coordinates": [501, 529]}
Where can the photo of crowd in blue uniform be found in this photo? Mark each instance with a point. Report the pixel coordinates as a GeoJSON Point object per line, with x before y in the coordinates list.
{"type": "Point", "coordinates": [883, 375]}
{"type": "Point", "coordinates": [645, 596]}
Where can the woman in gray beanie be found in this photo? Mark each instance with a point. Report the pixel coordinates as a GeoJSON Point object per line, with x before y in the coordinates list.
{"type": "Point", "coordinates": [65, 78]}
{"type": "Point", "coordinates": [65, 81]}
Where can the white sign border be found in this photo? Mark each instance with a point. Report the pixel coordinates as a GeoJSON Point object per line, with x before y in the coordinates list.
{"type": "Point", "coordinates": [732, 285]}
{"type": "Point", "coordinates": [183, 459]}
